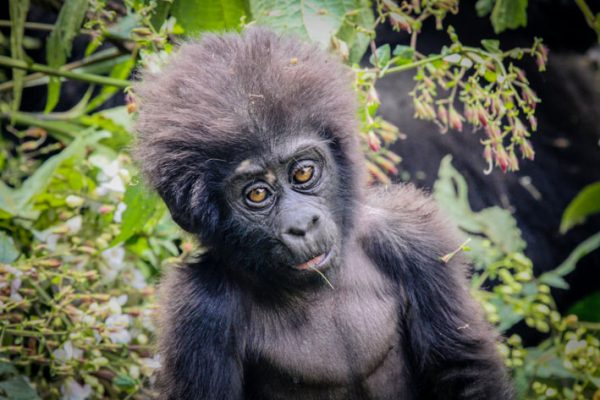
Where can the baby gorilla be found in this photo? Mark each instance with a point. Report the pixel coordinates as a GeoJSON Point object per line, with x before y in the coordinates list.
{"type": "Point", "coordinates": [312, 286]}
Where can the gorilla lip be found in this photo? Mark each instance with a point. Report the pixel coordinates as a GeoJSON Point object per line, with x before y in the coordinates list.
{"type": "Point", "coordinates": [313, 262]}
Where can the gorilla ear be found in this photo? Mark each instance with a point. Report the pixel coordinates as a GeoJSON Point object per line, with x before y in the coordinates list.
{"type": "Point", "coordinates": [191, 206]}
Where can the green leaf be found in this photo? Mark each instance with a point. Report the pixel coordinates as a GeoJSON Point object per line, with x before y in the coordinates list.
{"type": "Point", "coordinates": [140, 206]}
{"type": "Point", "coordinates": [124, 381]}
{"type": "Point", "coordinates": [492, 224]}
{"type": "Point", "coordinates": [484, 7]}
{"type": "Point", "coordinates": [18, 13]}
{"type": "Point", "coordinates": [8, 251]}
{"type": "Point", "coordinates": [403, 54]}
{"type": "Point", "coordinates": [554, 280]}
{"type": "Point", "coordinates": [583, 249]}
{"type": "Point", "coordinates": [197, 16]}
{"type": "Point", "coordinates": [383, 56]}
{"type": "Point", "coordinates": [509, 14]}
{"type": "Point", "coordinates": [309, 19]}
{"type": "Point", "coordinates": [587, 309]}
{"type": "Point", "coordinates": [60, 42]}
{"type": "Point", "coordinates": [17, 388]}
{"type": "Point", "coordinates": [357, 40]}
{"type": "Point", "coordinates": [491, 45]}
{"type": "Point", "coordinates": [120, 71]}
{"type": "Point", "coordinates": [586, 203]}
{"type": "Point", "coordinates": [160, 13]}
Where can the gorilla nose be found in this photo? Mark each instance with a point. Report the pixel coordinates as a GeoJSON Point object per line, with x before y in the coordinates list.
{"type": "Point", "coordinates": [300, 224]}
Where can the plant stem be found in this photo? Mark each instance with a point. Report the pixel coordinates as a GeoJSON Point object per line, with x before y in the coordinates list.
{"type": "Point", "coordinates": [101, 56]}
{"type": "Point", "coordinates": [588, 14]}
{"type": "Point", "coordinates": [415, 64]}
{"type": "Point", "coordinates": [79, 76]}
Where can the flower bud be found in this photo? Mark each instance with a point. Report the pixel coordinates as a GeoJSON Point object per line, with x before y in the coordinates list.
{"type": "Point", "coordinates": [455, 119]}
{"type": "Point", "coordinates": [513, 163]}
{"type": "Point", "coordinates": [442, 115]}
{"type": "Point", "coordinates": [501, 158]}
{"type": "Point", "coordinates": [527, 150]}
{"type": "Point", "coordinates": [482, 116]}
{"type": "Point", "coordinates": [373, 141]}
{"type": "Point", "coordinates": [519, 129]}
{"type": "Point", "coordinates": [533, 122]}
{"type": "Point", "coordinates": [400, 22]}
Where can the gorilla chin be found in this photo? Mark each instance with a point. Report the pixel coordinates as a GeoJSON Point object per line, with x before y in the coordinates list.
{"type": "Point", "coordinates": [313, 286]}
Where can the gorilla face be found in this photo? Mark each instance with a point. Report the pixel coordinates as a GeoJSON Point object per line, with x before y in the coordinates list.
{"type": "Point", "coordinates": [281, 208]}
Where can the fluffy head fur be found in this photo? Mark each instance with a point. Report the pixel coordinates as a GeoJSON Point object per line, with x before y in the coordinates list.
{"type": "Point", "coordinates": [224, 97]}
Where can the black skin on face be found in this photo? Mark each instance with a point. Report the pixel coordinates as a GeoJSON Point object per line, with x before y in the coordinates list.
{"type": "Point", "coordinates": [259, 158]}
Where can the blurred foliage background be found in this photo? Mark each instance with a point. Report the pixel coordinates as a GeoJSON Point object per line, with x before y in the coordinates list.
{"type": "Point", "coordinates": [83, 243]}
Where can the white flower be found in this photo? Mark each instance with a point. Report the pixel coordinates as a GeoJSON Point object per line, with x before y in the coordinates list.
{"type": "Point", "coordinates": [14, 289]}
{"type": "Point", "coordinates": [117, 325]}
{"type": "Point", "coordinates": [118, 217]}
{"type": "Point", "coordinates": [67, 352]}
{"type": "Point", "coordinates": [74, 224]}
{"type": "Point", "coordinates": [115, 257]}
{"type": "Point", "coordinates": [74, 201]}
{"type": "Point", "coordinates": [72, 390]}
{"type": "Point", "coordinates": [138, 281]}
{"type": "Point", "coordinates": [149, 365]}
{"type": "Point", "coordinates": [114, 185]}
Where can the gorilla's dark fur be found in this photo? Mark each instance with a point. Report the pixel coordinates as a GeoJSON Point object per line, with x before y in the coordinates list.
{"type": "Point", "coordinates": [247, 320]}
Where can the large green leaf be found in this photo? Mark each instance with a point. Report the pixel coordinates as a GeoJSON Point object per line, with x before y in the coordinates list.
{"type": "Point", "coordinates": [357, 40]}
{"type": "Point", "coordinates": [60, 42]}
{"type": "Point", "coordinates": [310, 19]}
{"type": "Point", "coordinates": [18, 13]}
{"type": "Point", "coordinates": [141, 204]}
{"type": "Point", "coordinates": [196, 16]}
{"type": "Point", "coordinates": [8, 251]}
{"type": "Point", "coordinates": [13, 386]}
{"type": "Point", "coordinates": [583, 249]}
{"type": "Point", "coordinates": [586, 203]}
{"type": "Point", "coordinates": [588, 308]}
{"type": "Point", "coordinates": [509, 14]}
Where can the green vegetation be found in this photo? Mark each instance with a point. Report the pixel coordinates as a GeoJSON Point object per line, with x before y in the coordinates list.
{"type": "Point", "coordinates": [82, 242]}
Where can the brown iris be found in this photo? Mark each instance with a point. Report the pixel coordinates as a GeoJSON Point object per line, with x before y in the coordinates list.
{"type": "Point", "coordinates": [303, 174]}
{"type": "Point", "coordinates": [257, 195]}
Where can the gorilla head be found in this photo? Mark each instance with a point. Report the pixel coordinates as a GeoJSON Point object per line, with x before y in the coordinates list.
{"type": "Point", "coordinates": [251, 141]}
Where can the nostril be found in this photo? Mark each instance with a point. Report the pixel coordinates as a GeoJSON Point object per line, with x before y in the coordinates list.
{"type": "Point", "coordinates": [315, 219]}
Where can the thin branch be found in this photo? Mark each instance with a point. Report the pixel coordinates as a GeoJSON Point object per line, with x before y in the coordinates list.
{"type": "Point", "coordinates": [79, 76]}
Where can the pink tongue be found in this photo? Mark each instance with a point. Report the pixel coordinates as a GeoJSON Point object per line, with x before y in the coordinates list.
{"type": "Point", "coordinates": [311, 263]}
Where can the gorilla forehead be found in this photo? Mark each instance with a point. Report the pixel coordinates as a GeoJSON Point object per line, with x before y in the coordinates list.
{"type": "Point", "coordinates": [252, 87]}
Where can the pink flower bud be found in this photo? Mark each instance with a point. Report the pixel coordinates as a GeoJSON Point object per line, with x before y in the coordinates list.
{"type": "Point", "coordinates": [513, 163]}
{"type": "Point", "coordinates": [519, 129]}
{"type": "Point", "coordinates": [533, 122]}
{"type": "Point", "coordinates": [373, 141]}
{"type": "Point", "coordinates": [442, 115]}
{"type": "Point", "coordinates": [527, 150]}
{"type": "Point", "coordinates": [501, 158]}
{"type": "Point", "coordinates": [482, 116]}
{"type": "Point", "coordinates": [455, 119]}
{"type": "Point", "coordinates": [400, 22]}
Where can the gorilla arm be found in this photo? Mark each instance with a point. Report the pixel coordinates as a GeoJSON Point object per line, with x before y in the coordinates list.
{"type": "Point", "coordinates": [200, 355]}
{"type": "Point", "coordinates": [449, 345]}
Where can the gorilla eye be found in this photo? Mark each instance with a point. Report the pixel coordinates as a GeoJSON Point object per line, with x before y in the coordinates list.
{"type": "Point", "coordinates": [303, 174]}
{"type": "Point", "coordinates": [258, 196]}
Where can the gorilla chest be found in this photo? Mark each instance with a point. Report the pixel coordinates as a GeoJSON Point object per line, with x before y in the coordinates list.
{"type": "Point", "coordinates": [340, 338]}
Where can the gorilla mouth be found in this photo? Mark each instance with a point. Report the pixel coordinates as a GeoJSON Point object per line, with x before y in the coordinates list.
{"type": "Point", "coordinates": [314, 263]}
